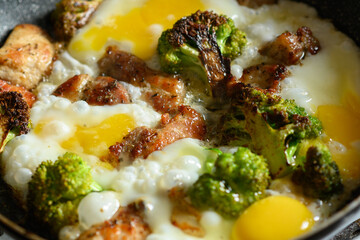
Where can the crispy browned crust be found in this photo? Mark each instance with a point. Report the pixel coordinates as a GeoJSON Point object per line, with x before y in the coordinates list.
{"type": "Point", "coordinates": [127, 224]}
{"type": "Point", "coordinates": [192, 29]}
{"type": "Point", "coordinates": [73, 88]}
{"type": "Point", "coordinates": [99, 91]}
{"type": "Point", "coordinates": [71, 15]}
{"type": "Point", "coordinates": [165, 93]}
{"type": "Point", "coordinates": [142, 141]}
{"type": "Point", "coordinates": [290, 48]}
{"type": "Point", "coordinates": [106, 91]}
{"type": "Point", "coordinates": [15, 112]}
{"type": "Point", "coordinates": [265, 76]}
{"type": "Point", "coordinates": [14, 115]}
{"type": "Point", "coordinates": [26, 56]}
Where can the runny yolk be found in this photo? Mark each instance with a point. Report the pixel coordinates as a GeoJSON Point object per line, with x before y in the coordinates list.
{"type": "Point", "coordinates": [273, 218]}
{"type": "Point", "coordinates": [342, 124]}
{"type": "Point", "coordinates": [135, 26]}
{"type": "Point", "coordinates": [97, 139]}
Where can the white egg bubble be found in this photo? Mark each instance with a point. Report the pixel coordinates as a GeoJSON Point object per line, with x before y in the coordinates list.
{"type": "Point", "coordinates": [97, 207]}
{"type": "Point", "coordinates": [80, 107]}
{"type": "Point", "coordinates": [62, 103]}
{"type": "Point", "coordinates": [174, 178]}
{"type": "Point", "coordinates": [236, 70]}
{"type": "Point", "coordinates": [210, 218]}
{"type": "Point", "coordinates": [56, 130]}
{"type": "Point", "coordinates": [189, 163]}
{"type": "Point", "coordinates": [69, 232]}
{"type": "Point", "coordinates": [22, 175]}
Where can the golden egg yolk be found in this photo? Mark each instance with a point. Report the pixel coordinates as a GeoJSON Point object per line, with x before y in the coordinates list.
{"type": "Point", "coordinates": [135, 27]}
{"type": "Point", "coordinates": [97, 139]}
{"type": "Point", "coordinates": [273, 218]}
{"type": "Point", "coordinates": [342, 124]}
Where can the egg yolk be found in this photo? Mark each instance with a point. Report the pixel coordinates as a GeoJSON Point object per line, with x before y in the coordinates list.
{"type": "Point", "coordinates": [97, 139]}
{"type": "Point", "coordinates": [342, 124]}
{"type": "Point", "coordinates": [135, 26]}
{"type": "Point", "coordinates": [273, 218]}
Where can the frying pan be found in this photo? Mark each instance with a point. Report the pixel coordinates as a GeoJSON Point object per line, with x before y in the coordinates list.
{"type": "Point", "coordinates": [345, 15]}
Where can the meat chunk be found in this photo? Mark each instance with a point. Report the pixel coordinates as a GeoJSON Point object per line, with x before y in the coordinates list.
{"type": "Point", "coordinates": [142, 141]}
{"type": "Point", "coordinates": [71, 15]}
{"type": "Point", "coordinates": [255, 3]}
{"type": "Point", "coordinates": [106, 91]}
{"type": "Point", "coordinates": [265, 76]}
{"type": "Point", "coordinates": [28, 96]}
{"type": "Point", "coordinates": [26, 56]}
{"type": "Point", "coordinates": [99, 91]}
{"type": "Point", "coordinates": [165, 92]}
{"type": "Point", "coordinates": [289, 48]}
{"type": "Point", "coordinates": [73, 88]}
{"type": "Point", "coordinates": [185, 216]}
{"type": "Point", "coordinates": [127, 224]}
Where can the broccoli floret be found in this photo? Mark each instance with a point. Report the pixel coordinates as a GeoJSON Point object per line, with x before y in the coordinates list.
{"type": "Point", "coordinates": [236, 181]}
{"type": "Point", "coordinates": [71, 15]}
{"type": "Point", "coordinates": [233, 130]}
{"type": "Point", "coordinates": [318, 175]}
{"type": "Point", "coordinates": [200, 46]}
{"type": "Point", "coordinates": [14, 117]}
{"type": "Point", "coordinates": [275, 125]}
{"type": "Point", "coordinates": [56, 189]}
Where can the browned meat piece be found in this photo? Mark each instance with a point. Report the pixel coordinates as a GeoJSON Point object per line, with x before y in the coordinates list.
{"type": "Point", "coordinates": [255, 3]}
{"type": "Point", "coordinates": [185, 216]}
{"type": "Point", "coordinates": [106, 91]}
{"type": "Point", "coordinates": [166, 92]}
{"type": "Point", "coordinates": [71, 15]}
{"type": "Point", "coordinates": [127, 224]}
{"type": "Point", "coordinates": [310, 43]}
{"type": "Point", "coordinates": [142, 141]}
{"type": "Point", "coordinates": [289, 48]}
{"type": "Point", "coordinates": [100, 91]}
{"type": "Point", "coordinates": [265, 76]}
{"type": "Point", "coordinates": [73, 88]}
{"type": "Point", "coordinates": [28, 96]}
{"type": "Point", "coordinates": [26, 56]}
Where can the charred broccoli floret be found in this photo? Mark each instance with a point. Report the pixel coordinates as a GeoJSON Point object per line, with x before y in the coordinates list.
{"type": "Point", "coordinates": [235, 182]}
{"type": "Point", "coordinates": [318, 175]}
{"type": "Point", "coordinates": [71, 15]}
{"type": "Point", "coordinates": [276, 127]}
{"type": "Point", "coordinates": [233, 130]}
{"type": "Point", "coordinates": [14, 116]}
{"type": "Point", "coordinates": [57, 188]}
{"type": "Point", "coordinates": [199, 46]}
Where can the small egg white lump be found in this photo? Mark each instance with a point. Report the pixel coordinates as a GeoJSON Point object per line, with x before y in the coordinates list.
{"type": "Point", "coordinates": [97, 207]}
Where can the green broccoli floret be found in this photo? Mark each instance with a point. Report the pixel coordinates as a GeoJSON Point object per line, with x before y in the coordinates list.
{"type": "Point", "coordinates": [275, 125]}
{"type": "Point", "coordinates": [235, 182]}
{"type": "Point", "coordinates": [56, 189]}
{"type": "Point", "coordinates": [71, 15]}
{"type": "Point", "coordinates": [318, 175]}
{"type": "Point", "coordinates": [199, 46]}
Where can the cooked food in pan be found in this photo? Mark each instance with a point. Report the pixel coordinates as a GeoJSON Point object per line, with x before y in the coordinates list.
{"type": "Point", "coordinates": [193, 119]}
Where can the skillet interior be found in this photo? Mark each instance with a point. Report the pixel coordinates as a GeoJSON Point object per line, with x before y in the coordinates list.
{"type": "Point", "coordinates": [344, 14]}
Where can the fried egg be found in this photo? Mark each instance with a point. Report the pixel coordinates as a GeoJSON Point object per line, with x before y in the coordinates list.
{"type": "Point", "coordinates": [327, 84]}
